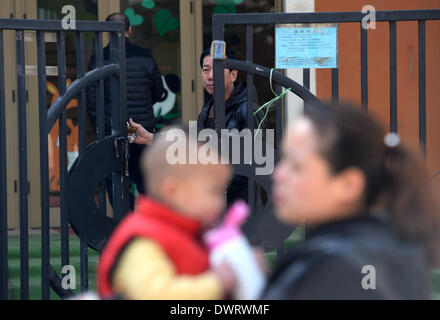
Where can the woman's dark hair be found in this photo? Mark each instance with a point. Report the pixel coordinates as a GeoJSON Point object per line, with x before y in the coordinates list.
{"type": "Point", "coordinates": [396, 178]}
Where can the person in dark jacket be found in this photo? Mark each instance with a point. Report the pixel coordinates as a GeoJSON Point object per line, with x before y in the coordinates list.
{"type": "Point", "coordinates": [236, 106]}
{"type": "Point", "coordinates": [144, 88]}
{"type": "Point", "coordinates": [372, 219]}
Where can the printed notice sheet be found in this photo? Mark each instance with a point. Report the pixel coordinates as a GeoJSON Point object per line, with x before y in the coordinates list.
{"type": "Point", "coordinates": [306, 47]}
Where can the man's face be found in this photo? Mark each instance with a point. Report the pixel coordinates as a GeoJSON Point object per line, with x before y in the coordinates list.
{"type": "Point", "coordinates": [208, 76]}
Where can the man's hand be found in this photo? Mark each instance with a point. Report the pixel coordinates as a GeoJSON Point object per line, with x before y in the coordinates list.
{"type": "Point", "coordinates": [142, 135]}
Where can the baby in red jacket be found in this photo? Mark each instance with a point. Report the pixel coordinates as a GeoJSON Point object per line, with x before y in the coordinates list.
{"type": "Point", "coordinates": [156, 252]}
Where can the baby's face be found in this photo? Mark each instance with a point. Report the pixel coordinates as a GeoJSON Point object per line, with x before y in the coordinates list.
{"type": "Point", "coordinates": [201, 193]}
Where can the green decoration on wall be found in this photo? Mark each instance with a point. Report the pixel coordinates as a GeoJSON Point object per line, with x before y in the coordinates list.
{"type": "Point", "coordinates": [135, 19]}
{"type": "Point", "coordinates": [164, 22]}
{"type": "Point", "coordinates": [148, 4]}
{"type": "Point", "coordinates": [227, 2]}
{"type": "Point", "coordinates": [226, 8]}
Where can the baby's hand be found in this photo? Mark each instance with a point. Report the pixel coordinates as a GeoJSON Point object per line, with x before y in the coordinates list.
{"type": "Point", "coordinates": [226, 276]}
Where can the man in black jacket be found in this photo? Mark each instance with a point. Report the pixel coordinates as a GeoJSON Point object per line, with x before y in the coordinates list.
{"type": "Point", "coordinates": [236, 105]}
{"type": "Point", "coordinates": [144, 88]}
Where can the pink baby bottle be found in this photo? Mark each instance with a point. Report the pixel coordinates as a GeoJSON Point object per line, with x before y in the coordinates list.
{"type": "Point", "coordinates": [227, 242]}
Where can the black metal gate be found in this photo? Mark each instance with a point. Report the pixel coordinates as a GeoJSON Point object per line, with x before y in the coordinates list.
{"type": "Point", "coordinates": [111, 146]}
{"type": "Point", "coordinates": [87, 219]}
{"type": "Point", "coordinates": [262, 227]}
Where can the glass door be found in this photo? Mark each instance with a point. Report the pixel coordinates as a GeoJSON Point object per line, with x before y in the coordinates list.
{"type": "Point", "coordinates": [156, 27]}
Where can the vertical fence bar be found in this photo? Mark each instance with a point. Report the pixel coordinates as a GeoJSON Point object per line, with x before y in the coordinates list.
{"type": "Point", "coordinates": [123, 116]}
{"type": "Point", "coordinates": [82, 148]}
{"type": "Point", "coordinates": [393, 77]}
{"type": "Point", "coordinates": [364, 67]}
{"type": "Point", "coordinates": [44, 166]}
{"type": "Point", "coordinates": [119, 116]}
{"type": "Point", "coordinates": [250, 109]}
{"type": "Point", "coordinates": [278, 138]}
{"type": "Point", "coordinates": [249, 76]}
{"type": "Point", "coordinates": [3, 187]}
{"type": "Point", "coordinates": [422, 86]}
{"type": "Point", "coordinates": [219, 94]}
{"type": "Point", "coordinates": [278, 118]}
{"type": "Point", "coordinates": [219, 79]}
{"type": "Point", "coordinates": [335, 85]}
{"type": "Point", "coordinates": [100, 113]}
{"type": "Point", "coordinates": [306, 83]}
{"type": "Point", "coordinates": [219, 85]}
{"type": "Point", "coordinates": [306, 78]}
{"type": "Point", "coordinates": [82, 128]}
{"type": "Point", "coordinates": [24, 187]}
{"type": "Point", "coordinates": [61, 59]}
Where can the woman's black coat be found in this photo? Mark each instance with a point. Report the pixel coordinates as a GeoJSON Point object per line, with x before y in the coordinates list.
{"type": "Point", "coordinates": [340, 261]}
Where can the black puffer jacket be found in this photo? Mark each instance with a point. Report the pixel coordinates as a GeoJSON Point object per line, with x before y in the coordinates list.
{"type": "Point", "coordinates": [334, 260]}
{"type": "Point", "coordinates": [236, 110]}
{"type": "Point", "coordinates": [144, 87]}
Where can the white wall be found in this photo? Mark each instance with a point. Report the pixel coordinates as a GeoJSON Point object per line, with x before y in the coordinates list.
{"type": "Point", "coordinates": [294, 105]}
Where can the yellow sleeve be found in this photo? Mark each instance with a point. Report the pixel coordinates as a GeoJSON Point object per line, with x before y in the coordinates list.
{"type": "Point", "coordinates": [145, 272]}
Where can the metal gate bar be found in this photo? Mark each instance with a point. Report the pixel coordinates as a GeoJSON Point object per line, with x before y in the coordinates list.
{"type": "Point", "coordinates": [22, 158]}
{"type": "Point", "coordinates": [3, 191]}
{"type": "Point", "coordinates": [47, 119]}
